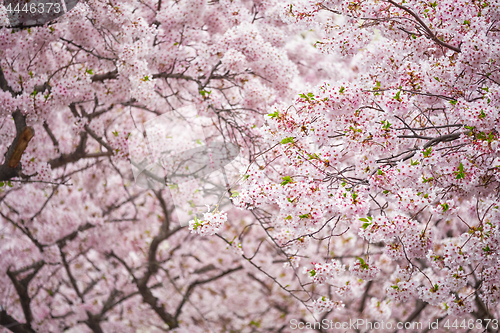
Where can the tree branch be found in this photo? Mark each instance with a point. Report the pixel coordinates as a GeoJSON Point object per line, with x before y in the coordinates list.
{"type": "Point", "coordinates": [78, 154]}
{"type": "Point", "coordinates": [12, 167]}
{"type": "Point", "coordinates": [12, 324]}
{"type": "Point", "coordinates": [106, 76]}
{"type": "Point", "coordinates": [21, 287]}
{"type": "Point", "coordinates": [430, 34]}
{"type": "Point", "coordinates": [200, 282]}
{"type": "Point", "coordinates": [5, 86]}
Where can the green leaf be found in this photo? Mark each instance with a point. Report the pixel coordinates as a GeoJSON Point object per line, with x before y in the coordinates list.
{"type": "Point", "coordinates": [2, 184]}
{"type": "Point", "coordinates": [90, 71]}
{"type": "Point", "coordinates": [309, 96]}
{"type": "Point", "coordinates": [274, 115]}
{"type": "Point", "coordinates": [461, 172]}
{"type": "Point", "coordinates": [397, 97]}
{"type": "Point", "coordinates": [427, 152]}
{"type": "Point", "coordinates": [287, 140]}
{"type": "Point", "coordinates": [386, 125]}
{"type": "Point", "coordinates": [9, 184]}
{"type": "Point", "coordinates": [115, 133]}
{"type": "Point", "coordinates": [342, 89]}
{"type": "Point", "coordinates": [426, 180]}
{"type": "Point", "coordinates": [31, 74]}
{"type": "Point", "coordinates": [312, 156]}
{"type": "Point", "coordinates": [362, 263]}
{"type": "Point", "coordinates": [366, 225]}
{"type": "Point", "coordinates": [363, 219]}
{"type": "Point", "coordinates": [205, 93]}
{"type": "Point", "coordinates": [286, 180]}
{"type": "Point", "coordinates": [235, 194]}
{"type": "Point", "coordinates": [453, 102]}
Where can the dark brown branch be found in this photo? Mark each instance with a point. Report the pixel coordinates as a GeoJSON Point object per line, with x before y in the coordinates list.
{"type": "Point", "coordinates": [483, 313]}
{"type": "Point", "coordinates": [443, 138]}
{"type": "Point", "coordinates": [200, 282]}
{"type": "Point", "coordinates": [12, 167]}
{"type": "Point", "coordinates": [78, 154]}
{"type": "Point", "coordinates": [97, 138]}
{"type": "Point", "coordinates": [51, 135]}
{"type": "Point", "coordinates": [42, 87]}
{"type": "Point", "coordinates": [106, 76]}
{"type": "Point", "coordinates": [5, 86]}
{"type": "Point", "coordinates": [70, 275]}
{"type": "Point", "coordinates": [12, 324]}
{"type": "Point", "coordinates": [93, 322]}
{"type": "Point", "coordinates": [430, 34]}
{"type": "Point", "coordinates": [142, 283]}
{"type": "Point", "coordinates": [174, 76]}
{"type": "Point", "coordinates": [430, 143]}
{"type": "Point", "coordinates": [420, 306]}
{"type": "Point", "coordinates": [365, 296]}
{"type": "Point", "coordinates": [21, 287]}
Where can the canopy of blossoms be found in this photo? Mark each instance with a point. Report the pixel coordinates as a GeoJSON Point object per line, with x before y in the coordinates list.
{"type": "Point", "coordinates": [241, 165]}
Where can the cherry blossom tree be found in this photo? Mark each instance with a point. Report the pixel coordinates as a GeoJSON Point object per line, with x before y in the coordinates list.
{"type": "Point", "coordinates": [385, 183]}
{"type": "Point", "coordinates": [83, 247]}
{"type": "Point", "coordinates": [365, 186]}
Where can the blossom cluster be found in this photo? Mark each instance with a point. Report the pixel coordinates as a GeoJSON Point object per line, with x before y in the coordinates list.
{"type": "Point", "coordinates": [212, 223]}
